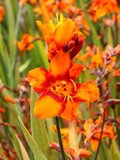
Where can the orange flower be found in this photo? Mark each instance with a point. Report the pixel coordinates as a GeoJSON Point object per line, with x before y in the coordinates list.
{"type": "Point", "coordinates": [83, 152]}
{"type": "Point", "coordinates": [2, 13]}
{"type": "Point", "coordinates": [81, 23]}
{"type": "Point", "coordinates": [88, 54]}
{"type": "Point", "coordinates": [9, 99]}
{"type": "Point", "coordinates": [48, 8]}
{"type": "Point", "coordinates": [93, 131]}
{"type": "Point", "coordinates": [116, 73]}
{"type": "Point", "coordinates": [25, 43]}
{"type": "Point", "coordinates": [64, 134]}
{"type": "Point", "coordinates": [62, 36]}
{"type": "Point", "coordinates": [97, 60]}
{"type": "Point", "coordinates": [2, 110]}
{"type": "Point", "coordinates": [32, 2]}
{"type": "Point", "coordinates": [103, 59]}
{"type": "Point", "coordinates": [59, 92]}
{"type": "Point", "coordinates": [101, 8]}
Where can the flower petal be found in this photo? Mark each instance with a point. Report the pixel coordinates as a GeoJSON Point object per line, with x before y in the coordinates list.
{"type": "Point", "coordinates": [60, 64]}
{"type": "Point", "coordinates": [70, 110]}
{"type": "Point", "coordinates": [94, 144]}
{"type": "Point", "coordinates": [88, 92]}
{"type": "Point", "coordinates": [75, 70]}
{"type": "Point", "coordinates": [47, 106]}
{"type": "Point", "coordinates": [64, 32]}
{"type": "Point", "coordinates": [38, 79]}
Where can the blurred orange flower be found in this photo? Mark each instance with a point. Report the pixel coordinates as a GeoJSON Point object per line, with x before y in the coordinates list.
{"type": "Point", "coordinates": [81, 23]}
{"type": "Point", "coordinates": [93, 131]}
{"type": "Point", "coordinates": [60, 94]}
{"type": "Point", "coordinates": [9, 99]}
{"type": "Point", "coordinates": [48, 8]}
{"type": "Point", "coordinates": [26, 43]}
{"type": "Point", "coordinates": [2, 110]}
{"type": "Point", "coordinates": [88, 54]}
{"type": "Point", "coordinates": [32, 2]}
{"type": "Point", "coordinates": [2, 13]}
{"type": "Point", "coordinates": [97, 59]}
{"type": "Point", "coordinates": [62, 36]}
{"type": "Point", "coordinates": [116, 73]}
{"type": "Point", "coordinates": [101, 8]}
{"type": "Point", "coordinates": [83, 152]}
{"type": "Point", "coordinates": [64, 134]}
{"type": "Point", "coordinates": [103, 58]}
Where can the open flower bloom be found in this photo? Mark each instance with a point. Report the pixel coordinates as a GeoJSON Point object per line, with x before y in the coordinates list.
{"type": "Point", "coordinates": [2, 13]}
{"type": "Point", "coordinates": [101, 8]}
{"type": "Point", "coordinates": [93, 131]}
{"type": "Point", "coordinates": [60, 94]}
{"type": "Point", "coordinates": [26, 43]}
{"type": "Point", "coordinates": [62, 36]}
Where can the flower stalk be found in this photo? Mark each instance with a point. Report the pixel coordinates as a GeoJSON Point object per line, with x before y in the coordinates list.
{"type": "Point", "coordinates": [102, 127]}
{"type": "Point", "coordinates": [59, 138]}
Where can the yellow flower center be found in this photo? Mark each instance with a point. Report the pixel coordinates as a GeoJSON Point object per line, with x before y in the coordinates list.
{"type": "Point", "coordinates": [63, 89]}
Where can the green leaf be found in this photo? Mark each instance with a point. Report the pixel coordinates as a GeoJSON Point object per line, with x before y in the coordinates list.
{"type": "Point", "coordinates": [104, 153]}
{"type": "Point", "coordinates": [5, 66]}
{"type": "Point", "coordinates": [24, 66]}
{"type": "Point", "coordinates": [94, 34]}
{"type": "Point", "coordinates": [23, 150]}
{"type": "Point", "coordinates": [38, 155]}
{"type": "Point", "coordinates": [115, 153]}
{"type": "Point", "coordinates": [11, 27]}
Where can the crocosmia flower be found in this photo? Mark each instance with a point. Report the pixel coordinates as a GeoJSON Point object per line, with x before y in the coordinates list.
{"type": "Point", "coordinates": [101, 8]}
{"type": "Point", "coordinates": [93, 131]}
{"type": "Point", "coordinates": [60, 95]}
{"type": "Point", "coordinates": [26, 43]}
{"type": "Point", "coordinates": [62, 36]}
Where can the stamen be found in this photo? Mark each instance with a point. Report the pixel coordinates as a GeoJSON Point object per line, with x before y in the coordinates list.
{"type": "Point", "coordinates": [73, 84]}
{"type": "Point", "coordinates": [65, 97]}
{"type": "Point", "coordinates": [69, 98]}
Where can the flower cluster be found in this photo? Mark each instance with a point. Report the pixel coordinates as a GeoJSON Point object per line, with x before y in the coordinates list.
{"type": "Point", "coordinates": [102, 8]}
{"type": "Point", "coordinates": [60, 93]}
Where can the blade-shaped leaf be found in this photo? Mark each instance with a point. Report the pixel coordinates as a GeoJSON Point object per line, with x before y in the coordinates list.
{"type": "Point", "coordinates": [32, 144]}
{"type": "Point", "coordinates": [23, 150]}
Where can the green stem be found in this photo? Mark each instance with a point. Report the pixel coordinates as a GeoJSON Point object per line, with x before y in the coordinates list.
{"type": "Point", "coordinates": [98, 148]}
{"type": "Point", "coordinates": [59, 138]}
